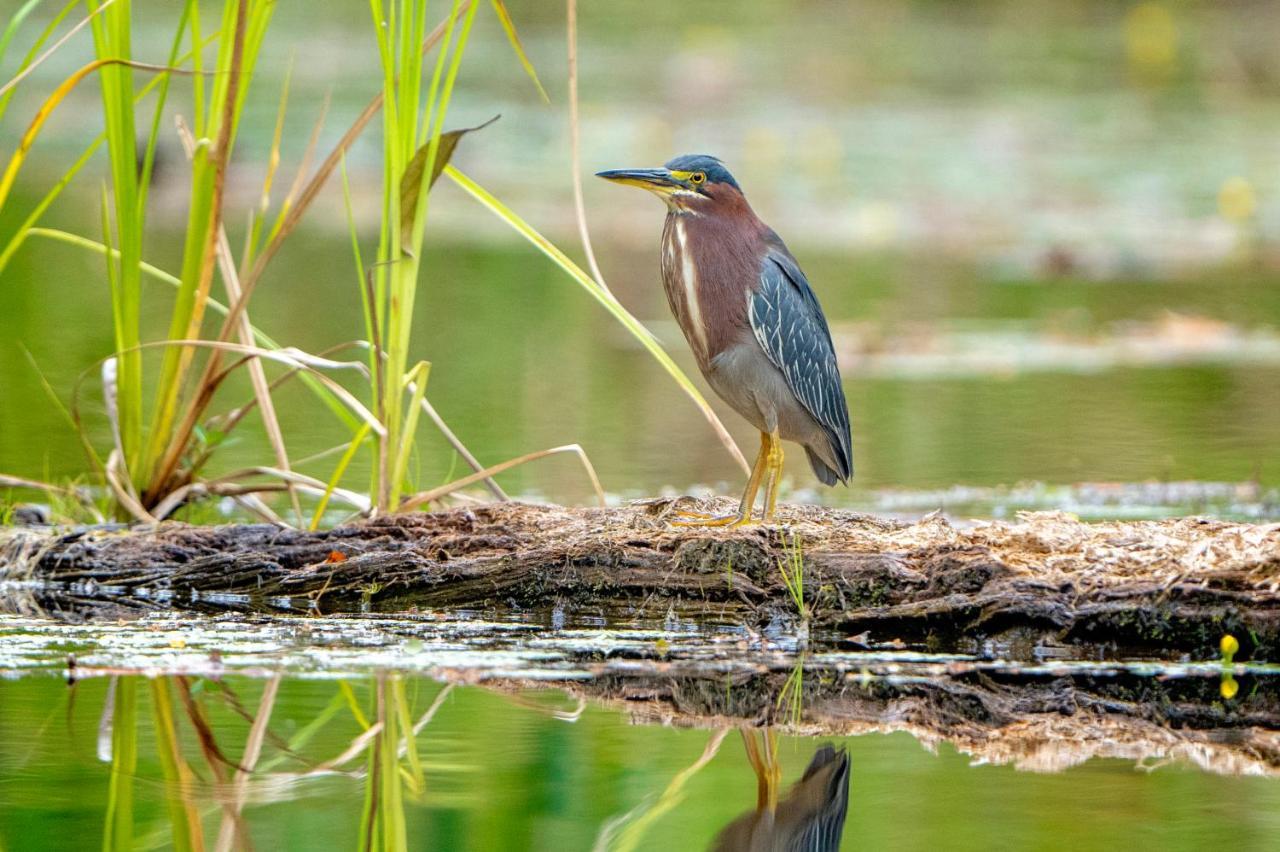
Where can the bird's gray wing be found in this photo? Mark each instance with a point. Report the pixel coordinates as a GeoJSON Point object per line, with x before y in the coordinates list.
{"type": "Point", "coordinates": [823, 809]}
{"type": "Point", "coordinates": [790, 327]}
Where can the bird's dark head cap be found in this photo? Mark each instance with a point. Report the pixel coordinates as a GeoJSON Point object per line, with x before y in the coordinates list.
{"type": "Point", "coordinates": [706, 164]}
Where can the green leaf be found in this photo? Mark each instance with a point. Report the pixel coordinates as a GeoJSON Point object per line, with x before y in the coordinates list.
{"type": "Point", "coordinates": [411, 183]}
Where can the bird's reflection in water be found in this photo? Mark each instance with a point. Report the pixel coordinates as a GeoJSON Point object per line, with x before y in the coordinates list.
{"type": "Point", "coordinates": [811, 815]}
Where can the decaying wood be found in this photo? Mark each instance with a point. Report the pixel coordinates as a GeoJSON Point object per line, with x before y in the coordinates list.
{"type": "Point", "coordinates": [1178, 584]}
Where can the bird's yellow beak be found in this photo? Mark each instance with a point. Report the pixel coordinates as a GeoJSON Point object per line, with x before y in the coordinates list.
{"type": "Point", "coordinates": [663, 182]}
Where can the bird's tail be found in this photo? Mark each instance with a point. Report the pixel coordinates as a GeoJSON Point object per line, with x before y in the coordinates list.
{"type": "Point", "coordinates": [824, 471]}
{"type": "Point", "coordinates": [827, 824]}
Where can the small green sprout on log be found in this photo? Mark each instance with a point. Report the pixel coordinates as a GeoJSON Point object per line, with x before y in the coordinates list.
{"type": "Point", "coordinates": [791, 697]}
{"type": "Point", "coordinates": [791, 567]}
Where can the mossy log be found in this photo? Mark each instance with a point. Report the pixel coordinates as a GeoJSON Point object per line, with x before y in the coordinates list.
{"type": "Point", "coordinates": [1175, 585]}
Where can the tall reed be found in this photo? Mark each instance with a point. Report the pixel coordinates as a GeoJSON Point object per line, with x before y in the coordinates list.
{"type": "Point", "coordinates": [412, 127]}
{"type": "Point", "coordinates": [218, 102]}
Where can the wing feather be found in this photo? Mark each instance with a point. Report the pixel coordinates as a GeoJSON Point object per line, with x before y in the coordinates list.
{"type": "Point", "coordinates": [789, 325]}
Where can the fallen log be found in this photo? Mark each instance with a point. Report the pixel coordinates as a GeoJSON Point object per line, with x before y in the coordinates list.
{"type": "Point", "coordinates": [1153, 586]}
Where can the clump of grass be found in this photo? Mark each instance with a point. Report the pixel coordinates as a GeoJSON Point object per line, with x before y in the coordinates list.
{"type": "Point", "coordinates": [791, 568]}
{"type": "Point", "coordinates": [791, 697]}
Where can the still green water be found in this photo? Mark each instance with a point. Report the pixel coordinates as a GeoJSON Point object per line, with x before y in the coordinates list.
{"type": "Point", "coordinates": [541, 734]}
{"type": "Point", "coordinates": [502, 773]}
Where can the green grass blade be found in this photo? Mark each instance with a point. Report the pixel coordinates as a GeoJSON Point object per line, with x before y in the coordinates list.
{"type": "Point", "coordinates": [411, 742]}
{"type": "Point", "coordinates": [30, 57]}
{"type": "Point", "coordinates": [112, 38]}
{"type": "Point", "coordinates": [149, 155]}
{"type": "Point", "coordinates": [391, 796]}
{"type": "Point", "coordinates": [254, 239]}
{"type": "Point", "coordinates": [94, 459]}
{"type": "Point", "coordinates": [353, 704]}
{"type": "Point", "coordinates": [20, 234]}
{"type": "Point", "coordinates": [627, 834]}
{"type": "Point", "coordinates": [418, 378]}
{"type": "Point", "coordinates": [366, 308]}
{"type": "Point", "coordinates": [16, 21]}
{"type": "Point", "coordinates": [361, 434]}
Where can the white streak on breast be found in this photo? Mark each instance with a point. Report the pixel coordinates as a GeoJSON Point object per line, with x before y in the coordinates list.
{"type": "Point", "coordinates": [689, 279]}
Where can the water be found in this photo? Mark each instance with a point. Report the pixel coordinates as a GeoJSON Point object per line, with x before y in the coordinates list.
{"type": "Point", "coordinates": [542, 734]}
{"type": "Point", "coordinates": [1027, 234]}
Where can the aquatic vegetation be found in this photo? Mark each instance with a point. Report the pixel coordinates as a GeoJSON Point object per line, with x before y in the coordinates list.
{"type": "Point", "coordinates": [791, 569]}
{"type": "Point", "coordinates": [791, 697]}
{"type": "Point", "coordinates": [209, 800]}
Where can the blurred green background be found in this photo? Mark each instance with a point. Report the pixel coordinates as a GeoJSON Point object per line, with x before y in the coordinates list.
{"type": "Point", "coordinates": [1045, 234]}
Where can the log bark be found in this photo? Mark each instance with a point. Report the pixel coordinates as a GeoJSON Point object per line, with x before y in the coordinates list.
{"type": "Point", "coordinates": [1176, 585]}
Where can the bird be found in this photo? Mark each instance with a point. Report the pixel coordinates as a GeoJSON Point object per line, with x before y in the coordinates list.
{"type": "Point", "coordinates": [753, 322]}
{"type": "Point", "coordinates": [809, 819]}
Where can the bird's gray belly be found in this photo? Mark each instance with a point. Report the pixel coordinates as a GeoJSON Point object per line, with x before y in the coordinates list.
{"type": "Point", "coordinates": [745, 378]}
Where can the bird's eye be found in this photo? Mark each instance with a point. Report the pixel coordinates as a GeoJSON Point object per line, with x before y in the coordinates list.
{"type": "Point", "coordinates": [696, 178]}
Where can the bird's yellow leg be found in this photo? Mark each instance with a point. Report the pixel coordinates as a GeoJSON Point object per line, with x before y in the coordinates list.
{"type": "Point", "coordinates": [757, 767]}
{"type": "Point", "coordinates": [773, 464]}
{"type": "Point", "coordinates": [743, 515]}
{"type": "Point", "coordinates": [764, 763]}
{"type": "Point", "coordinates": [773, 767]}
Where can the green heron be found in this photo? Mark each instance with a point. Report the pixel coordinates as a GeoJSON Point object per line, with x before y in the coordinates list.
{"type": "Point", "coordinates": [809, 819]}
{"type": "Point", "coordinates": [752, 321]}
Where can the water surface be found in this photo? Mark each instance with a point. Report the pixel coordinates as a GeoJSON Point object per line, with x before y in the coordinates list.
{"type": "Point", "coordinates": [502, 762]}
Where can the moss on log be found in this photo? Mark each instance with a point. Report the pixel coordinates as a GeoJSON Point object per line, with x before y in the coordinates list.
{"type": "Point", "coordinates": [1175, 585]}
